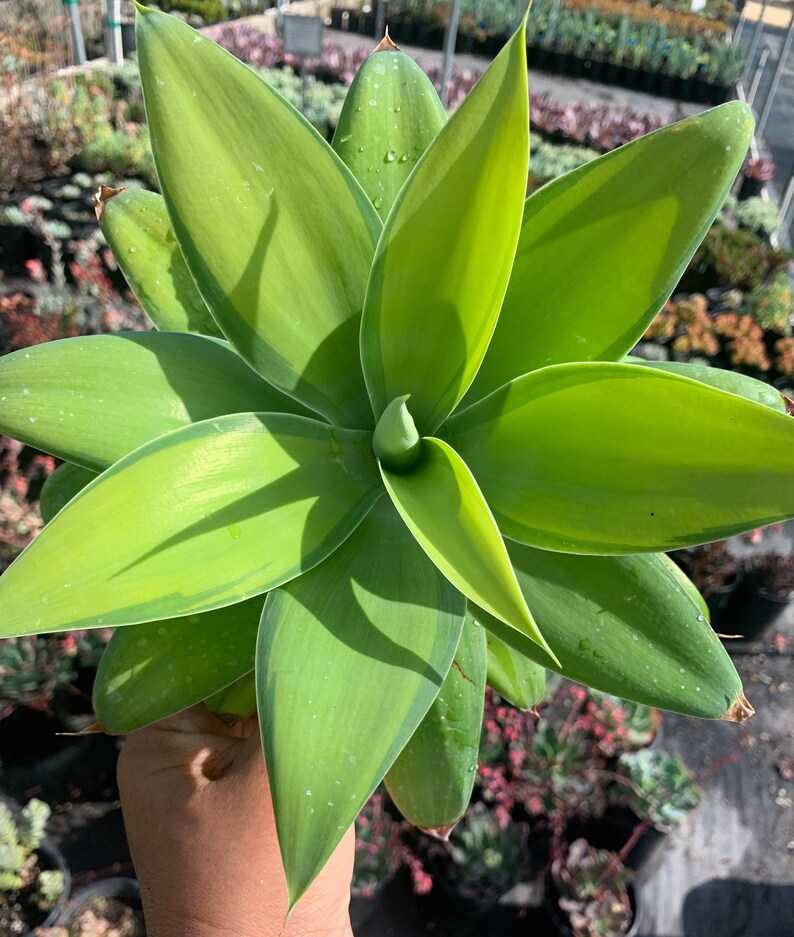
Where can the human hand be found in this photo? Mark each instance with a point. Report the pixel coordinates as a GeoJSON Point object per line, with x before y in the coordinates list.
{"type": "Point", "coordinates": [201, 830]}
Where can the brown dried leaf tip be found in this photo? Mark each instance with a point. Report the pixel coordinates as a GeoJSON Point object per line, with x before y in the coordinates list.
{"type": "Point", "coordinates": [440, 832]}
{"type": "Point", "coordinates": [386, 44]}
{"type": "Point", "coordinates": [740, 711]}
{"type": "Point", "coordinates": [102, 196]}
{"type": "Point", "coordinates": [789, 404]}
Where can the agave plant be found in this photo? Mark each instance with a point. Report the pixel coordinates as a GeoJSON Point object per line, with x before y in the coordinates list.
{"type": "Point", "coordinates": [308, 515]}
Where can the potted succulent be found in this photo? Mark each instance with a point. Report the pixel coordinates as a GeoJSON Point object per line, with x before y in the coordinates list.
{"type": "Point", "coordinates": [34, 878]}
{"type": "Point", "coordinates": [386, 456]}
{"type": "Point", "coordinates": [588, 893]}
{"type": "Point", "coordinates": [657, 792]}
{"type": "Point", "coordinates": [108, 908]}
{"type": "Point", "coordinates": [487, 856]}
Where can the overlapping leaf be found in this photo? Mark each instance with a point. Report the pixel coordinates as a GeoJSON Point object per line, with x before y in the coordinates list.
{"type": "Point", "coordinates": [602, 247]}
{"type": "Point", "coordinates": [628, 625]}
{"type": "Point", "coordinates": [374, 622]}
{"type": "Point", "coordinates": [199, 519]}
{"type": "Point", "coordinates": [93, 399]}
{"type": "Point", "coordinates": [444, 258]}
{"type": "Point", "coordinates": [617, 458]}
{"type": "Point", "coordinates": [282, 267]}
{"type": "Point", "coordinates": [444, 509]}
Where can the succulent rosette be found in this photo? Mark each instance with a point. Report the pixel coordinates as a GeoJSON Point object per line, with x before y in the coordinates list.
{"type": "Point", "coordinates": [385, 445]}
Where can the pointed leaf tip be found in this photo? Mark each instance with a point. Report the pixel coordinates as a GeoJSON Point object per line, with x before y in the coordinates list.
{"type": "Point", "coordinates": [740, 711]}
{"type": "Point", "coordinates": [386, 44]}
{"type": "Point", "coordinates": [440, 832]}
{"type": "Point", "coordinates": [102, 196]}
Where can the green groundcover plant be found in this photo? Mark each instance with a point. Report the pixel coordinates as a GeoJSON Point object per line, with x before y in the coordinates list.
{"type": "Point", "coordinates": [385, 445]}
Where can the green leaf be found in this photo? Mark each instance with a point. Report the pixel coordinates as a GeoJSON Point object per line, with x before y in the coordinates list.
{"type": "Point", "coordinates": [239, 699]}
{"type": "Point", "coordinates": [276, 232]}
{"type": "Point", "coordinates": [65, 483]}
{"type": "Point", "coordinates": [154, 670]}
{"type": "Point", "coordinates": [602, 248]}
{"type": "Point", "coordinates": [444, 509]}
{"type": "Point", "coordinates": [93, 399]}
{"type": "Point", "coordinates": [444, 258]}
{"type": "Point", "coordinates": [390, 116]}
{"type": "Point", "coordinates": [516, 678]}
{"type": "Point", "coordinates": [625, 625]}
{"type": "Point", "coordinates": [432, 779]}
{"type": "Point", "coordinates": [136, 226]}
{"type": "Point", "coordinates": [732, 381]}
{"type": "Point", "coordinates": [199, 519]}
{"type": "Point", "coordinates": [616, 458]}
{"type": "Point", "coordinates": [382, 626]}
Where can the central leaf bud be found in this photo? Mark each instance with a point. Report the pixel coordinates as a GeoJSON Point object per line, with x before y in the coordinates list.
{"type": "Point", "coordinates": [396, 442]}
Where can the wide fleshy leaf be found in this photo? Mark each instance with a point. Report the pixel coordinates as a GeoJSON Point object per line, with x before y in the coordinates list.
{"type": "Point", "coordinates": [154, 670]}
{"type": "Point", "coordinates": [625, 625]}
{"type": "Point", "coordinates": [136, 226]}
{"type": "Point", "coordinates": [444, 509]}
{"type": "Point", "coordinates": [617, 458]}
{"type": "Point", "coordinates": [390, 115]}
{"type": "Point", "coordinates": [432, 779]}
{"type": "Point", "coordinates": [516, 678]}
{"type": "Point", "coordinates": [65, 483]}
{"type": "Point", "coordinates": [276, 232]}
{"type": "Point", "coordinates": [199, 519]}
{"type": "Point", "coordinates": [636, 214]}
{"type": "Point", "coordinates": [382, 626]}
{"type": "Point", "coordinates": [444, 258]}
{"type": "Point", "coordinates": [93, 399]}
{"type": "Point", "coordinates": [732, 381]}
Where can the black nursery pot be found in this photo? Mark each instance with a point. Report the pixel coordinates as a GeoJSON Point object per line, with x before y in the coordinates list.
{"type": "Point", "coordinates": [756, 610]}
{"type": "Point", "coordinates": [51, 860]}
{"type": "Point", "coordinates": [613, 830]}
{"type": "Point", "coordinates": [124, 890]}
{"type": "Point", "coordinates": [559, 922]}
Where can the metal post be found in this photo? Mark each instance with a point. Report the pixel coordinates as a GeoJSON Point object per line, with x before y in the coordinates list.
{"type": "Point", "coordinates": [759, 28]}
{"type": "Point", "coordinates": [740, 26]}
{"type": "Point", "coordinates": [113, 32]}
{"type": "Point", "coordinates": [450, 38]}
{"type": "Point", "coordinates": [78, 45]}
{"type": "Point", "coordinates": [788, 196]}
{"type": "Point", "coordinates": [380, 19]}
{"type": "Point", "coordinates": [781, 65]}
{"type": "Point", "coordinates": [757, 76]}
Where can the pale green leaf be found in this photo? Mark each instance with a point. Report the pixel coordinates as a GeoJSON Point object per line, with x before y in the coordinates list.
{"type": "Point", "coordinates": [136, 226]}
{"type": "Point", "coordinates": [276, 232]}
{"type": "Point", "coordinates": [516, 678]}
{"type": "Point", "coordinates": [444, 258]}
{"type": "Point", "coordinates": [350, 657]}
{"type": "Point", "coordinates": [603, 247]}
{"type": "Point", "coordinates": [390, 115]}
{"type": "Point", "coordinates": [626, 625]}
{"type": "Point", "coordinates": [238, 699]}
{"type": "Point", "coordinates": [198, 519]}
{"type": "Point", "coordinates": [735, 383]}
{"type": "Point", "coordinates": [65, 483]}
{"type": "Point", "coordinates": [444, 509]}
{"type": "Point", "coordinates": [617, 458]}
{"type": "Point", "coordinates": [92, 399]}
{"type": "Point", "coordinates": [154, 670]}
{"type": "Point", "coordinates": [432, 779]}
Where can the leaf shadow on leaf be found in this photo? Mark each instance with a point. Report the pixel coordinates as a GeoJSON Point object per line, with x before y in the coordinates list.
{"type": "Point", "coordinates": [355, 574]}
{"type": "Point", "coordinates": [346, 403]}
{"type": "Point", "coordinates": [303, 483]}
